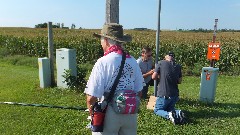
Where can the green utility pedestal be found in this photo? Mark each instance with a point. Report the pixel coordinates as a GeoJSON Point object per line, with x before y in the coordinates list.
{"type": "Point", "coordinates": [44, 72]}
{"type": "Point", "coordinates": [65, 60]}
{"type": "Point", "coordinates": [208, 84]}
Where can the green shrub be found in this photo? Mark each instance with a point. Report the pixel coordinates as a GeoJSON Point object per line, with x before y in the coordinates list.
{"type": "Point", "coordinates": [78, 83]}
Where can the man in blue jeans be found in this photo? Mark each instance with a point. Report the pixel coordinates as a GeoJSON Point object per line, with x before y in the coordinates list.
{"type": "Point", "coordinates": [170, 76]}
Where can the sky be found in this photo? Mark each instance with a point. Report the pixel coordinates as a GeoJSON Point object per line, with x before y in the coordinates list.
{"type": "Point", "coordinates": [90, 14]}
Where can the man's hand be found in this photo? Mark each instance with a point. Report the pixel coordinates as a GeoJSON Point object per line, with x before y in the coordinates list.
{"type": "Point", "coordinates": [148, 73]}
{"type": "Point", "coordinates": [90, 102]}
{"type": "Point", "coordinates": [151, 72]}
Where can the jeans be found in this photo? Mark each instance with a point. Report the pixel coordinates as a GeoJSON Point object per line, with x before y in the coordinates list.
{"type": "Point", "coordinates": [164, 105]}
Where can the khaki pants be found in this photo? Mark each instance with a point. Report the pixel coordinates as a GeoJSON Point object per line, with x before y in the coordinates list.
{"type": "Point", "coordinates": [118, 124]}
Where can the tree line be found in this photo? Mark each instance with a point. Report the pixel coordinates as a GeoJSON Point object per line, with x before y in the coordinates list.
{"type": "Point", "coordinates": [57, 25]}
{"type": "Point", "coordinates": [208, 30]}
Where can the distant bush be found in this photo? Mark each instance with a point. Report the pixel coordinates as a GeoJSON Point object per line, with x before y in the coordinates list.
{"type": "Point", "coordinates": [44, 25]}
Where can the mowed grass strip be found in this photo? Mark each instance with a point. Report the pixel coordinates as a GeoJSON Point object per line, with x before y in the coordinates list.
{"type": "Point", "coordinates": [21, 84]}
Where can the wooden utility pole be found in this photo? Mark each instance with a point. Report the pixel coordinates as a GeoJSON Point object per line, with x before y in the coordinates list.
{"type": "Point", "coordinates": [112, 11]}
{"type": "Point", "coordinates": [50, 52]}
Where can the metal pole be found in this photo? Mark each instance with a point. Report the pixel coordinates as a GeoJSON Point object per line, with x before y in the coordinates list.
{"type": "Point", "coordinates": [215, 31]}
{"type": "Point", "coordinates": [50, 52]}
{"type": "Point", "coordinates": [157, 45]}
{"type": "Point", "coordinates": [212, 62]}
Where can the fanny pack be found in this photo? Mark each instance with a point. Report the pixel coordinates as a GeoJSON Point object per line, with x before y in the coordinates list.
{"type": "Point", "coordinates": [125, 102]}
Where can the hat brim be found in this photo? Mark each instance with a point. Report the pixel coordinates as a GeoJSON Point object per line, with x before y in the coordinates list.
{"type": "Point", "coordinates": [125, 38]}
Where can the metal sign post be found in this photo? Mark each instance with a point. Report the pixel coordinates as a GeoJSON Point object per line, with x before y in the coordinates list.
{"type": "Point", "coordinates": [215, 30]}
{"type": "Point", "coordinates": [157, 45]}
{"type": "Point", "coordinates": [213, 60]}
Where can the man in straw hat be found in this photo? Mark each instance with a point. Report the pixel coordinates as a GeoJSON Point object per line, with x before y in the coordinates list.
{"type": "Point", "coordinates": [104, 74]}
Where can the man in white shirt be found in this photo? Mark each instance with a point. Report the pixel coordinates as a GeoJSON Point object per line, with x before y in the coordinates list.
{"type": "Point", "coordinates": [104, 74]}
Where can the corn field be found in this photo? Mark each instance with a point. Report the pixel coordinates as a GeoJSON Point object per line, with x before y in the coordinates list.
{"type": "Point", "coordinates": [190, 48]}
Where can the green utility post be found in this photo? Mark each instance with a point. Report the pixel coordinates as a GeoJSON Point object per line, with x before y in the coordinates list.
{"type": "Point", "coordinates": [208, 84]}
{"type": "Point", "coordinates": [65, 60]}
{"type": "Point", "coordinates": [44, 72]}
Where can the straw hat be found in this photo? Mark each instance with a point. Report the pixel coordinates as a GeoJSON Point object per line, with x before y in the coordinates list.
{"type": "Point", "coordinates": [113, 31]}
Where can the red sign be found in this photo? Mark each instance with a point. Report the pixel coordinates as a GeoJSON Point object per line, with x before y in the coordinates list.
{"type": "Point", "coordinates": [208, 75]}
{"type": "Point", "coordinates": [213, 51]}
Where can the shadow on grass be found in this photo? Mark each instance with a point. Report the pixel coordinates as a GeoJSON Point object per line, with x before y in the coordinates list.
{"type": "Point", "coordinates": [195, 110]}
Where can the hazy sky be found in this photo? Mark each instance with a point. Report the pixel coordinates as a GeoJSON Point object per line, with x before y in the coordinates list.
{"type": "Point", "coordinates": [175, 14]}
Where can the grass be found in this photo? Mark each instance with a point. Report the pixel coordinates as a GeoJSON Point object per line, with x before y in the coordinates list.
{"type": "Point", "coordinates": [20, 84]}
{"type": "Point", "coordinates": [19, 60]}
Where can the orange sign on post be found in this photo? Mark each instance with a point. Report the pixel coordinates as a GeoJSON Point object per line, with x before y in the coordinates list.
{"type": "Point", "coordinates": [213, 51]}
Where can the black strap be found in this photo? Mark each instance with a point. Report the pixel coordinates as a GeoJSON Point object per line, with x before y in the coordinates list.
{"type": "Point", "coordinates": [113, 88]}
